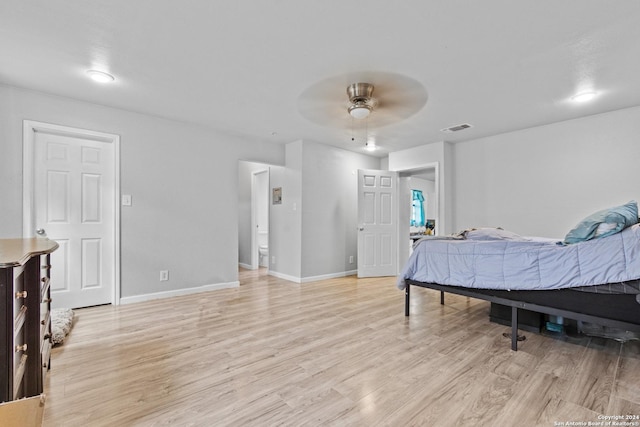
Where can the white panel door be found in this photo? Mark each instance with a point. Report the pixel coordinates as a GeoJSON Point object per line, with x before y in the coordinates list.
{"type": "Point", "coordinates": [377, 223]}
{"type": "Point", "coordinates": [73, 202]}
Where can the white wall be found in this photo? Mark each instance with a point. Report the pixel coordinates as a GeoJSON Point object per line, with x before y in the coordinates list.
{"type": "Point", "coordinates": [286, 218]}
{"type": "Point", "coordinates": [330, 208]}
{"type": "Point", "coordinates": [183, 179]}
{"type": "Point", "coordinates": [315, 227]}
{"type": "Point", "coordinates": [283, 232]}
{"type": "Point", "coordinates": [542, 181]}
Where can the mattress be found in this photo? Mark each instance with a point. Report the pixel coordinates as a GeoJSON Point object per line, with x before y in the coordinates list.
{"type": "Point", "coordinates": [527, 263]}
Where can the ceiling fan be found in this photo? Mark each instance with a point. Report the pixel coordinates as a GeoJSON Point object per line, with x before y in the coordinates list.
{"type": "Point", "coordinates": [361, 100]}
{"type": "Point", "coordinates": [382, 98]}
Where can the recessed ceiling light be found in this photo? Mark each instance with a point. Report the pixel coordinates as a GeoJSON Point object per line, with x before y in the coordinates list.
{"type": "Point", "coordinates": [370, 146]}
{"type": "Point", "coordinates": [100, 76]}
{"type": "Point", "coordinates": [583, 96]}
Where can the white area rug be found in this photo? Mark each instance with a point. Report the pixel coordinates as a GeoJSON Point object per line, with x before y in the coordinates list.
{"type": "Point", "coordinates": [61, 322]}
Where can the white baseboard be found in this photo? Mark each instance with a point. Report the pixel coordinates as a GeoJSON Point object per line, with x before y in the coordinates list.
{"type": "Point", "coordinates": [328, 276]}
{"type": "Point", "coordinates": [247, 266]}
{"type": "Point", "coordinates": [178, 292]}
{"type": "Point", "coordinates": [312, 278]}
{"type": "Point", "coordinates": [284, 276]}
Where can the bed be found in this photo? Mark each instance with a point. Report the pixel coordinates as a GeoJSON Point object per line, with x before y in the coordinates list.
{"type": "Point", "coordinates": [595, 279]}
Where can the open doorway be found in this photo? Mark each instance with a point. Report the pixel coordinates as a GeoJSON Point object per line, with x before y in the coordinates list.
{"type": "Point", "coordinates": [260, 219]}
{"type": "Point", "coordinates": [253, 215]}
{"type": "Point", "coordinates": [425, 181]}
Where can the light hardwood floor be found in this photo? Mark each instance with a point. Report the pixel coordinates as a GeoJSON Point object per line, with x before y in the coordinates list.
{"type": "Point", "coordinates": [335, 352]}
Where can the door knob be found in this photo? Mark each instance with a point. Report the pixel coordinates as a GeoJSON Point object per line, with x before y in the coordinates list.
{"type": "Point", "coordinates": [361, 228]}
{"type": "Point", "coordinates": [40, 231]}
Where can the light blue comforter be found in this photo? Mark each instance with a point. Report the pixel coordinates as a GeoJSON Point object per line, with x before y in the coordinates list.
{"type": "Point", "coordinates": [527, 264]}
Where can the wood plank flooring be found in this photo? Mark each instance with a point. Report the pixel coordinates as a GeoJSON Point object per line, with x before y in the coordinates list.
{"type": "Point", "coordinates": [336, 352]}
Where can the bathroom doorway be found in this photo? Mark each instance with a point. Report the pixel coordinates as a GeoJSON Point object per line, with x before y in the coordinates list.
{"type": "Point", "coordinates": [260, 219]}
{"type": "Point", "coordinates": [254, 204]}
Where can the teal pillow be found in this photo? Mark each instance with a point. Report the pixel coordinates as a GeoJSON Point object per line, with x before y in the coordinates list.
{"type": "Point", "coordinates": [604, 223]}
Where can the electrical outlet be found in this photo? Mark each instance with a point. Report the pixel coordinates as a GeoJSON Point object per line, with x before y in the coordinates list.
{"type": "Point", "coordinates": [351, 259]}
{"type": "Point", "coordinates": [164, 275]}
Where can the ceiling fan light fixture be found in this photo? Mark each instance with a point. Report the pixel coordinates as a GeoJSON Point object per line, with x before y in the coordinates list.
{"type": "Point", "coordinates": [359, 110]}
{"type": "Point", "coordinates": [583, 96]}
{"type": "Point", "coordinates": [100, 76]}
{"type": "Point", "coordinates": [360, 99]}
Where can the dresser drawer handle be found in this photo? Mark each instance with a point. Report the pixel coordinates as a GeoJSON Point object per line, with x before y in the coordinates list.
{"type": "Point", "coordinates": [47, 300]}
{"type": "Point", "coordinates": [43, 280]}
{"type": "Point", "coordinates": [22, 294]}
{"type": "Point", "coordinates": [20, 348]}
{"type": "Point", "coordinates": [47, 337]}
{"type": "Point", "coordinates": [46, 267]}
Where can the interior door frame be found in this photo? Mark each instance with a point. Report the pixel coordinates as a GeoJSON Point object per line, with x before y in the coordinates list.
{"type": "Point", "coordinates": [403, 222]}
{"type": "Point", "coordinates": [255, 259]}
{"type": "Point", "coordinates": [29, 130]}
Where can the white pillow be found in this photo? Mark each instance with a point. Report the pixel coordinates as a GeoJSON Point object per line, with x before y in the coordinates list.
{"type": "Point", "coordinates": [604, 228]}
{"type": "Point", "coordinates": [492, 234]}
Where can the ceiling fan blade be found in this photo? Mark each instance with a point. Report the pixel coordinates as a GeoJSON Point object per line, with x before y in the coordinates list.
{"type": "Point", "coordinates": [395, 98]}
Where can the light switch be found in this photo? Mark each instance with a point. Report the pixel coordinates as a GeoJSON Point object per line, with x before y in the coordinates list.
{"type": "Point", "coordinates": [126, 200]}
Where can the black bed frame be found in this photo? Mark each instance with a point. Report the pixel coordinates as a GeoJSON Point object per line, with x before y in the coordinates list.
{"type": "Point", "coordinates": [620, 311]}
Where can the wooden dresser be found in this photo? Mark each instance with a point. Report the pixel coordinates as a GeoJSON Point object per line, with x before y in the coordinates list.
{"type": "Point", "coordinates": [25, 321]}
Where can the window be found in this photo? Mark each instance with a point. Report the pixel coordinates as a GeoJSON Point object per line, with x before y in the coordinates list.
{"type": "Point", "coordinates": [417, 208]}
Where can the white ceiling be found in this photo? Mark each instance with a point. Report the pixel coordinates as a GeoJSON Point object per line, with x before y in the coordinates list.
{"type": "Point", "coordinates": [242, 66]}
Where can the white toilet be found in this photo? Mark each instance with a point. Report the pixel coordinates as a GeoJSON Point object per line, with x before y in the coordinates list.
{"type": "Point", "coordinates": [263, 248]}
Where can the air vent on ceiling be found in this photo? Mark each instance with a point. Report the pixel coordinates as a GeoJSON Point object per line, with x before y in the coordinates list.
{"type": "Point", "coordinates": [456, 128]}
